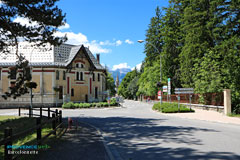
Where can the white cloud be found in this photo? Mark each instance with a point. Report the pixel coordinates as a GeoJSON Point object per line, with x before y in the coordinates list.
{"type": "Point", "coordinates": [79, 38]}
{"type": "Point", "coordinates": [120, 66]}
{"type": "Point", "coordinates": [128, 41]}
{"type": "Point", "coordinates": [118, 43]}
{"type": "Point", "coordinates": [138, 67]}
{"type": "Point", "coordinates": [65, 26]}
{"type": "Point", "coordinates": [73, 38]}
{"type": "Point", "coordinates": [25, 21]}
{"type": "Point", "coordinates": [108, 43]}
{"type": "Point", "coordinates": [96, 48]}
{"type": "Point", "coordinates": [28, 22]}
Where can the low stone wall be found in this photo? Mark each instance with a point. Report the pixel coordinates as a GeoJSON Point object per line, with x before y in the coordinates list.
{"type": "Point", "coordinates": [219, 109]}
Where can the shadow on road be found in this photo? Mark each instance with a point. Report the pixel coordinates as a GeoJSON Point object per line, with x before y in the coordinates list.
{"type": "Point", "coordinates": [137, 138]}
{"type": "Point", "coordinates": [81, 143]}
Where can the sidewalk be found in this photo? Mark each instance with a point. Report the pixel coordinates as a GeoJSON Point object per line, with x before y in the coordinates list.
{"type": "Point", "coordinates": [207, 115]}
{"type": "Point", "coordinates": [83, 143]}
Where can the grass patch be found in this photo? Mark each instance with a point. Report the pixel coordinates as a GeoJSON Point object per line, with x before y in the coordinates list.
{"type": "Point", "coordinates": [18, 124]}
{"type": "Point", "coordinates": [21, 124]}
{"type": "Point", "coordinates": [171, 108]}
{"type": "Point", "coordinates": [5, 118]}
{"type": "Point", "coordinates": [234, 115]}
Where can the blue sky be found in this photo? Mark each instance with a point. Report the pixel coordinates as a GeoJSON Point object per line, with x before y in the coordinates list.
{"type": "Point", "coordinates": [110, 27]}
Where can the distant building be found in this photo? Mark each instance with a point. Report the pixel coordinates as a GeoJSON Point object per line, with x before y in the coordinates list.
{"type": "Point", "coordinates": [72, 69]}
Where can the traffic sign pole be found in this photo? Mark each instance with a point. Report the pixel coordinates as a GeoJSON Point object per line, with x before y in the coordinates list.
{"type": "Point", "coordinates": [160, 96]}
{"type": "Point", "coordinates": [169, 88]}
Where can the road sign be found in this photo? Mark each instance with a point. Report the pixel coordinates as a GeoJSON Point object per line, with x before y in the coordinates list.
{"type": "Point", "coordinates": [159, 94]}
{"type": "Point", "coordinates": [165, 88]}
{"type": "Point", "coordinates": [184, 90]}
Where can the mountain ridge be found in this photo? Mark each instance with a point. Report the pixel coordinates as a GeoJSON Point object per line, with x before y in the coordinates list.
{"type": "Point", "coordinates": [120, 72]}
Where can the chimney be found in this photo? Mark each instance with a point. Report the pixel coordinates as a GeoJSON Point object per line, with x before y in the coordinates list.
{"type": "Point", "coordinates": [98, 58]}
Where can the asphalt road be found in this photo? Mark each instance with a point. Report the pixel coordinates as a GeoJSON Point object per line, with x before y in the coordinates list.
{"type": "Point", "coordinates": [135, 132]}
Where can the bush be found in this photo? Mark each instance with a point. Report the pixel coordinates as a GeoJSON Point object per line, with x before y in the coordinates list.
{"type": "Point", "coordinates": [113, 100]}
{"type": "Point", "coordinates": [80, 105]}
{"type": "Point", "coordinates": [69, 105]}
{"type": "Point", "coordinates": [86, 105]}
{"type": "Point", "coordinates": [75, 105]}
{"type": "Point", "coordinates": [171, 108]}
{"type": "Point", "coordinates": [105, 104]}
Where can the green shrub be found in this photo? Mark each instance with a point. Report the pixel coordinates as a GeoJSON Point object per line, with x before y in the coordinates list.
{"type": "Point", "coordinates": [113, 104]}
{"type": "Point", "coordinates": [105, 104]}
{"type": "Point", "coordinates": [80, 105]}
{"type": "Point", "coordinates": [75, 105]}
{"type": "Point", "coordinates": [93, 104]}
{"type": "Point", "coordinates": [69, 105]}
{"type": "Point", "coordinates": [113, 100]}
{"type": "Point", "coordinates": [171, 108]}
{"type": "Point", "coordinates": [86, 105]}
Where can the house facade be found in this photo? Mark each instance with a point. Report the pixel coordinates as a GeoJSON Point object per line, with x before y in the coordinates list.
{"type": "Point", "coordinates": [63, 73]}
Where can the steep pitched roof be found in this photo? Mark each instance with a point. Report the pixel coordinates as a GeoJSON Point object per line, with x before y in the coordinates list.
{"type": "Point", "coordinates": [73, 53]}
{"type": "Point", "coordinates": [93, 59]}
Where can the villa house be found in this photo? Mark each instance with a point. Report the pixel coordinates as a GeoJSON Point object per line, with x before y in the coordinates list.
{"type": "Point", "coordinates": [63, 73]}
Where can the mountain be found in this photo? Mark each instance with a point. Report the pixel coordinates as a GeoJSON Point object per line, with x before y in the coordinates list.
{"type": "Point", "coordinates": [120, 72]}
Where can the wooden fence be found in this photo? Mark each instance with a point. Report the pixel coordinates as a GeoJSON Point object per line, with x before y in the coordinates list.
{"type": "Point", "coordinates": [9, 137]}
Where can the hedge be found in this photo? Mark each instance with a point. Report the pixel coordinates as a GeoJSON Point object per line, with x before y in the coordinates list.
{"type": "Point", "coordinates": [171, 108]}
{"type": "Point", "coordinates": [71, 105]}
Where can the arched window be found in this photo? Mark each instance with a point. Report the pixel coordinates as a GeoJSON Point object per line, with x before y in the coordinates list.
{"type": "Point", "coordinates": [72, 92]}
{"type": "Point", "coordinates": [98, 77]}
{"type": "Point", "coordinates": [77, 76]}
{"type": "Point", "coordinates": [64, 75]}
{"type": "Point", "coordinates": [93, 76]}
{"type": "Point", "coordinates": [81, 76]}
{"type": "Point", "coordinates": [57, 75]}
{"type": "Point", "coordinates": [79, 65]}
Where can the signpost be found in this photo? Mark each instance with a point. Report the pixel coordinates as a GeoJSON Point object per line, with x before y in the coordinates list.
{"type": "Point", "coordinates": [169, 86]}
{"type": "Point", "coordinates": [159, 95]}
{"type": "Point", "coordinates": [184, 90]}
{"type": "Point", "coordinates": [189, 91]}
{"type": "Point", "coordinates": [169, 89]}
{"type": "Point", "coordinates": [165, 88]}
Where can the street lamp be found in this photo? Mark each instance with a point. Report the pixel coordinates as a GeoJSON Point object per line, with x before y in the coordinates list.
{"type": "Point", "coordinates": [141, 41]}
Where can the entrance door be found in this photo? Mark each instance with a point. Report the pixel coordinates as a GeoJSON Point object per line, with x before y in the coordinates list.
{"type": "Point", "coordinates": [86, 98]}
